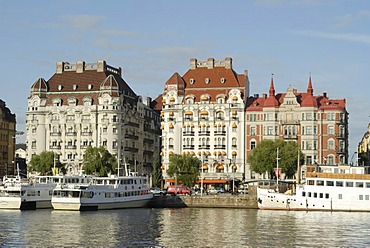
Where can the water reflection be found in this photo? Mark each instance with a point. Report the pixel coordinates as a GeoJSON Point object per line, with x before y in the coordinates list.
{"type": "Point", "coordinates": [189, 227]}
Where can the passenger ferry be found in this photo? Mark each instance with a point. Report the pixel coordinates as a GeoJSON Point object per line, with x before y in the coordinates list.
{"type": "Point", "coordinates": [336, 189]}
{"type": "Point", "coordinates": [112, 192]}
{"type": "Point", "coordinates": [31, 194]}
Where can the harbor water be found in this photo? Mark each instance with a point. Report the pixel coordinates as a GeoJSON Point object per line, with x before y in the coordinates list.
{"type": "Point", "coordinates": [183, 227]}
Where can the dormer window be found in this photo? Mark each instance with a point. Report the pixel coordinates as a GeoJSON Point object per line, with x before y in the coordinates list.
{"type": "Point", "coordinates": [207, 80]}
{"type": "Point", "coordinates": [60, 87]}
{"type": "Point", "coordinates": [192, 81]}
{"type": "Point", "coordinates": [223, 80]}
{"type": "Point", "coordinates": [75, 87]}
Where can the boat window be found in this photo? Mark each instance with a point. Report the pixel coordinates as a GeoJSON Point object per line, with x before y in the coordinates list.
{"type": "Point", "coordinates": [349, 184]}
{"type": "Point", "coordinates": [315, 195]}
{"type": "Point", "coordinates": [320, 183]}
{"type": "Point", "coordinates": [321, 195]}
{"type": "Point", "coordinates": [327, 195]}
{"type": "Point", "coordinates": [340, 197]}
{"type": "Point", "coordinates": [31, 193]}
{"type": "Point", "coordinates": [311, 182]}
{"type": "Point", "coordinates": [339, 183]}
{"type": "Point", "coordinates": [366, 197]}
{"type": "Point", "coordinates": [361, 197]}
{"type": "Point", "coordinates": [304, 193]}
{"type": "Point", "coordinates": [359, 184]}
{"type": "Point", "coordinates": [309, 194]}
{"type": "Point", "coordinates": [329, 183]}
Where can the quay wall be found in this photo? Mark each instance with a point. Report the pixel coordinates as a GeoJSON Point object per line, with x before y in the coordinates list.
{"type": "Point", "coordinates": [206, 201]}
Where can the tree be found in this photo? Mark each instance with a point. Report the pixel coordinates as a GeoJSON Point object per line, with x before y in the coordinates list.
{"type": "Point", "coordinates": [185, 168]}
{"type": "Point", "coordinates": [43, 163]}
{"type": "Point", "coordinates": [263, 158]}
{"type": "Point", "coordinates": [98, 161]}
{"type": "Point", "coordinates": [157, 171]}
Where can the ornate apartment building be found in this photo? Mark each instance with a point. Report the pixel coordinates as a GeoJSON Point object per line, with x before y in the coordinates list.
{"type": "Point", "coordinates": [203, 115]}
{"type": "Point", "coordinates": [85, 105]}
{"type": "Point", "coordinates": [318, 124]}
{"type": "Point", "coordinates": [7, 140]}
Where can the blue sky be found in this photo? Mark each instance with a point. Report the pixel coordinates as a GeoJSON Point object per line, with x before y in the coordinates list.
{"type": "Point", "coordinates": [151, 40]}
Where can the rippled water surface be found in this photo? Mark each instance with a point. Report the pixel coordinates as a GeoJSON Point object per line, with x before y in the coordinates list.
{"type": "Point", "coordinates": [187, 227]}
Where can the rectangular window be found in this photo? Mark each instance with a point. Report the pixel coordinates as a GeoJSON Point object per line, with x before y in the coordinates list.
{"type": "Point", "coordinates": [315, 195]}
{"type": "Point", "coordinates": [361, 197]}
{"type": "Point", "coordinates": [253, 130]}
{"type": "Point", "coordinates": [327, 195]}
{"type": "Point", "coordinates": [359, 184]}
{"type": "Point", "coordinates": [349, 184]}
{"type": "Point", "coordinates": [367, 185]}
{"type": "Point", "coordinates": [339, 183]}
{"type": "Point", "coordinates": [311, 182]}
{"type": "Point", "coordinates": [366, 197]}
{"type": "Point", "coordinates": [320, 183]}
{"type": "Point", "coordinates": [304, 193]}
{"type": "Point", "coordinates": [321, 195]}
{"type": "Point", "coordinates": [309, 194]}
{"type": "Point", "coordinates": [329, 183]}
{"type": "Point", "coordinates": [340, 197]}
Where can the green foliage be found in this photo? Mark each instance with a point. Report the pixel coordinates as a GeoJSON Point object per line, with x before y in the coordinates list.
{"type": "Point", "coordinates": [43, 163]}
{"type": "Point", "coordinates": [263, 158]}
{"type": "Point", "coordinates": [185, 168]}
{"type": "Point", "coordinates": [157, 171]}
{"type": "Point", "coordinates": [98, 161]}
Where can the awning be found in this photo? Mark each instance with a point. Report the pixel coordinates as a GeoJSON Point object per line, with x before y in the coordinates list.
{"type": "Point", "coordinates": [204, 98]}
{"type": "Point", "coordinates": [210, 181]}
{"type": "Point", "coordinates": [205, 167]}
{"type": "Point", "coordinates": [220, 167]}
{"type": "Point", "coordinates": [188, 112]}
{"type": "Point", "coordinates": [171, 113]}
{"type": "Point", "coordinates": [172, 99]}
{"type": "Point", "coordinates": [170, 153]}
{"type": "Point", "coordinates": [204, 112]}
{"type": "Point", "coordinates": [235, 98]}
{"type": "Point", "coordinates": [234, 153]}
{"type": "Point", "coordinates": [234, 125]}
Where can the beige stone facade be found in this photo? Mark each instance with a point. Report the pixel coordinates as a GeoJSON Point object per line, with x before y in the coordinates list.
{"type": "Point", "coordinates": [85, 105]}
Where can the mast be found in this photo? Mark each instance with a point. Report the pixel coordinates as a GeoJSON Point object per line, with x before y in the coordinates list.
{"type": "Point", "coordinates": [299, 168]}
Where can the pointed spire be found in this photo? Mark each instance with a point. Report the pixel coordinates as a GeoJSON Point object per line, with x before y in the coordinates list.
{"type": "Point", "coordinates": [309, 88]}
{"type": "Point", "coordinates": [272, 88]}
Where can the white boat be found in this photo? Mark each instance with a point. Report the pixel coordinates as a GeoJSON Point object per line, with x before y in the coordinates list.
{"type": "Point", "coordinates": [31, 194]}
{"type": "Point", "coordinates": [103, 193]}
{"type": "Point", "coordinates": [322, 191]}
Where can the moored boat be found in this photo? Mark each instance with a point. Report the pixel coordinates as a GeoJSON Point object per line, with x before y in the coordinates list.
{"type": "Point", "coordinates": [112, 192]}
{"type": "Point", "coordinates": [31, 194]}
{"type": "Point", "coordinates": [341, 189]}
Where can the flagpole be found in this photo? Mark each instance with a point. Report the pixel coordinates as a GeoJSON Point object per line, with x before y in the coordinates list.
{"type": "Point", "coordinates": [277, 169]}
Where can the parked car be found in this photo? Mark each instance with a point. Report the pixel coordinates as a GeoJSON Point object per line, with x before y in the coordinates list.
{"type": "Point", "coordinates": [178, 190]}
{"type": "Point", "coordinates": [157, 191]}
{"type": "Point", "coordinates": [215, 191]}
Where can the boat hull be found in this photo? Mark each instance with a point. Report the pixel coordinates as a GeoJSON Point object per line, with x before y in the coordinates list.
{"type": "Point", "coordinates": [348, 201]}
{"type": "Point", "coordinates": [77, 205]}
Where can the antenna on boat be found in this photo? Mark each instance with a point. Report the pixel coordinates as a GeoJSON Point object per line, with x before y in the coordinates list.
{"type": "Point", "coordinates": [277, 169]}
{"type": "Point", "coordinates": [124, 159]}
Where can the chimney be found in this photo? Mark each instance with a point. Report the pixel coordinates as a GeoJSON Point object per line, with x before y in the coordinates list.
{"type": "Point", "coordinates": [210, 63]}
{"type": "Point", "coordinates": [101, 66]}
{"type": "Point", "coordinates": [324, 94]}
{"type": "Point", "coordinates": [193, 64]}
{"type": "Point", "coordinates": [264, 95]}
{"type": "Point", "coordinates": [80, 66]}
{"type": "Point", "coordinates": [228, 63]}
{"type": "Point", "coordinates": [60, 67]}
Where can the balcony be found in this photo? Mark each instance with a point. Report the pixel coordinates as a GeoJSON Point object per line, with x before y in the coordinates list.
{"type": "Point", "coordinates": [289, 122]}
{"type": "Point", "coordinates": [55, 134]}
{"type": "Point", "coordinates": [340, 150]}
{"type": "Point", "coordinates": [340, 135]}
{"type": "Point", "coordinates": [220, 146]}
{"type": "Point", "coordinates": [70, 147]}
{"type": "Point", "coordinates": [186, 147]}
{"type": "Point", "coordinates": [148, 141]}
{"type": "Point", "coordinates": [55, 147]}
{"type": "Point", "coordinates": [188, 133]}
{"type": "Point", "coordinates": [86, 133]}
{"type": "Point", "coordinates": [131, 149]}
{"type": "Point", "coordinates": [204, 147]}
{"type": "Point", "coordinates": [71, 133]}
{"type": "Point", "coordinates": [290, 136]}
{"type": "Point", "coordinates": [204, 133]}
{"type": "Point", "coordinates": [131, 136]}
{"type": "Point", "coordinates": [220, 133]}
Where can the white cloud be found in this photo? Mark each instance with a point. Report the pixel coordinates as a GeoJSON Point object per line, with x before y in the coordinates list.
{"type": "Point", "coordinates": [84, 22]}
{"type": "Point", "coordinates": [363, 38]}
